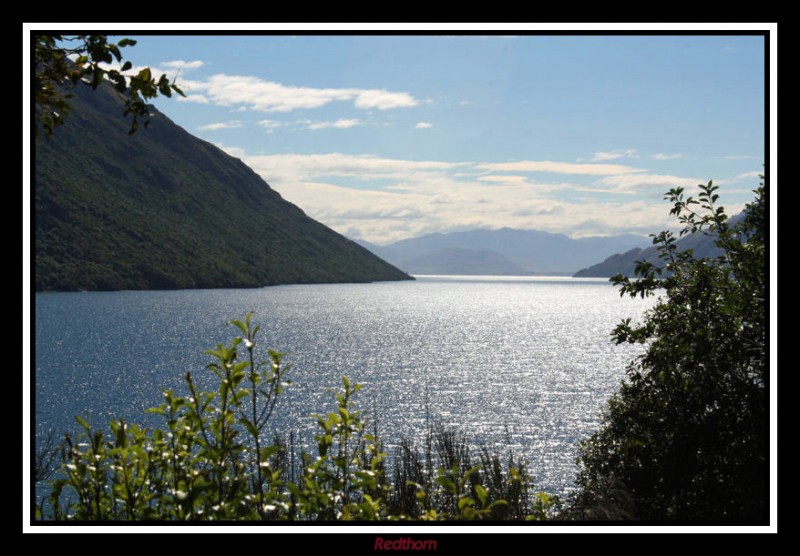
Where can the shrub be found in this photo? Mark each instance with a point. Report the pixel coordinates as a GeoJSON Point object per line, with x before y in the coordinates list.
{"type": "Point", "coordinates": [686, 433]}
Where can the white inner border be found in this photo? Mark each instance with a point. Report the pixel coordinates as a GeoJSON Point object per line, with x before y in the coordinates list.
{"type": "Point", "coordinates": [395, 531]}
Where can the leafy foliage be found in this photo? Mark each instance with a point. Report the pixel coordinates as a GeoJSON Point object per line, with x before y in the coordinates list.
{"type": "Point", "coordinates": [443, 477]}
{"type": "Point", "coordinates": [206, 464]}
{"type": "Point", "coordinates": [213, 461]}
{"type": "Point", "coordinates": [64, 62]}
{"type": "Point", "coordinates": [686, 433]}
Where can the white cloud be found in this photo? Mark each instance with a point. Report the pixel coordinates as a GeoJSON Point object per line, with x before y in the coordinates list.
{"type": "Point", "coordinates": [270, 125]}
{"type": "Point", "coordinates": [390, 199]}
{"type": "Point", "coordinates": [612, 155]}
{"type": "Point", "coordinates": [338, 124]}
{"type": "Point", "coordinates": [662, 156]}
{"type": "Point", "coordinates": [201, 99]}
{"type": "Point", "coordinates": [423, 125]}
{"type": "Point", "coordinates": [383, 100]}
{"type": "Point", "coordinates": [444, 204]}
{"type": "Point", "coordinates": [269, 96]}
{"type": "Point", "coordinates": [559, 167]}
{"type": "Point", "coordinates": [504, 179]}
{"type": "Point", "coordinates": [749, 176]}
{"type": "Point", "coordinates": [740, 157]}
{"type": "Point", "coordinates": [182, 65]}
{"type": "Point", "coordinates": [289, 168]}
{"type": "Point", "coordinates": [631, 183]}
{"type": "Point", "coordinates": [235, 152]}
{"type": "Point", "coordinates": [221, 125]}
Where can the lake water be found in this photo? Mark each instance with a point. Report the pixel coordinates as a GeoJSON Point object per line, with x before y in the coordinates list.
{"type": "Point", "coordinates": [526, 361]}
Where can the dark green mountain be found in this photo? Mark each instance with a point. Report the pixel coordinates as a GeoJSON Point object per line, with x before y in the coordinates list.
{"type": "Point", "coordinates": [162, 209]}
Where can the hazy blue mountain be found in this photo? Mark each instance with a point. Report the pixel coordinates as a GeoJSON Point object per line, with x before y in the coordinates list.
{"type": "Point", "coordinates": [534, 252]}
{"type": "Point", "coordinates": [619, 263]}
{"type": "Point", "coordinates": [462, 261]}
{"type": "Point", "coordinates": [162, 209]}
{"type": "Point", "coordinates": [624, 263]}
{"type": "Point", "coordinates": [385, 252]}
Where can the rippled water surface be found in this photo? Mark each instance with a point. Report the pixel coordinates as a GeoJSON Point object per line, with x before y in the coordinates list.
{"type": "Point", "coordinates": [525, 361]}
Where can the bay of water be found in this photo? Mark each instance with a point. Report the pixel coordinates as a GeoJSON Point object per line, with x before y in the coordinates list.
{"type": "Point", "coordinates": [522, 363]}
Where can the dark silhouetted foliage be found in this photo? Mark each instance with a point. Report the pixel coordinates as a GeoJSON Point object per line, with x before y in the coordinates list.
{"type": "Point", "coordinates": [686, 433]}
{"type": "Point", "coordinates": [65, 62]}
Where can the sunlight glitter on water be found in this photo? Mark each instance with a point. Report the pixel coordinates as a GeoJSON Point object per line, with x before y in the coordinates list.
{"type": "Point", "coordinates": [525, 360]}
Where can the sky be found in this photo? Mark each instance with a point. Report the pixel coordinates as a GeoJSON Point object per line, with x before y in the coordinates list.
{"type": "Point", "coordinates": [385, 137]}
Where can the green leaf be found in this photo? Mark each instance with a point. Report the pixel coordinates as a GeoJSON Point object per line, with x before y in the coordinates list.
{"type": "Point", "coordinates": [163, 87]}
{"type": "Point", "coordinates": [126, 66]}
{"type": "Point", "coordinates": [368, 508]}
{"type": "Point", "coordinates": [468, 474]}
{"type": "Point", "coordinates": [268, 452]}
{"type": "Point", "coordinates": [240, 325]}
{"type": "Point", "coordinates": [144, 74]}
{"type": "Point", "coordinates": [120, 438]}
{"type": "Point", "coordinates": [251, 428]}
{"type": "Point", "coordinates": [115, 51]}
{"type": "Point", "coordinates": [545, 499]}
{"type": "Point", "coordinates": [119, 81]}
{"type": "Point", "coordinates": [448, 485]}
{"type": "Point", "coordinates": [294, 489]}
{"type": "Point", "coordinates": [82, 423]}
{"type": "Point", "coordinates": [480, 492]}
{"type": "Point", "coordinates": [368, 478]}
{"type": "Point", "coordinates": [97, 77]}
{"type": "Point", "coordinates": [334, 418]}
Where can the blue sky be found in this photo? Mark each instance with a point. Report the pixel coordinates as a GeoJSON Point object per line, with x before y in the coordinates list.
{"type": "Point", "coordinates": [389, 137]}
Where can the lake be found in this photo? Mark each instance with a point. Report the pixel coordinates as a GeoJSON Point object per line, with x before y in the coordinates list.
{"type": "Point", "coordinates": [525, 361]}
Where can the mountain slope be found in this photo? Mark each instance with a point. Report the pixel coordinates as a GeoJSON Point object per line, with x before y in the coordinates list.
{"type": "Point", "coordinates": [702, 245]}
{"type": "Point", "coordinates": [535, 252]}
{"type": "Point", "coordinates": [162, 209]}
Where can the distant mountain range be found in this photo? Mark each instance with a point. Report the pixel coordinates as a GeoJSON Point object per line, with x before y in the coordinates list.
{"type": "Point", "coordinates": [162, 209]}
{"type": "Point", "coordinates": [501, 252]}
{"type": "Point", "coordinates": [463, 261]}
{"type": "Point", "coordinates": [701, 244]}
